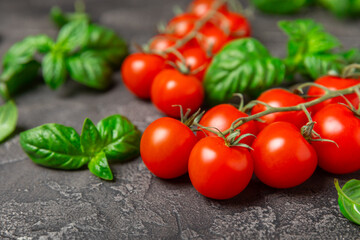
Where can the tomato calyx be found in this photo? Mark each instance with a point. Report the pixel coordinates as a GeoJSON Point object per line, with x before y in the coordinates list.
{"type": "Point", "coordinates": [190, 121]}
{"type": "Point", "coordinates": [308, 132]}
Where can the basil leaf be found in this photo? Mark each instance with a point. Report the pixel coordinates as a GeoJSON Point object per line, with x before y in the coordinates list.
{"type": "Point", "coordinates": [72, 36]}
{"type": "Point", "coordinates": [24, 51]}
{"type": "Point", "coordinates": [121, 139]}
{"type": "Point", "coordinates": [306, 36]}
{"type": "Point", "coordinates": [99, 166]}
{"type": "Point", "coordinates": [54, 145]}
{"type": "Point", "coordinates": [16, 77]}
{"type": "Point", "coordinates": [8, 119]}
{"type": "Point", "coordinates": [106, 44]}
{"type": "Point", "coordinates": [319, 65]}
{"type": "Point", "coordinates": [88, 69]}
{"type": "Point", "coordinates": [349, 200]}
{"type": "Point", "coordinates": [90, 137]}
{"type": "Point", "coordinates": [54, 69]}
{"type": "Point", "coordinates": [279, 6]}
{"type": "Point", "coordinates": [243, 65]}
{"type": "Point", "coordinates": [342, 8]}
{"type": "Point", "coordinates": [60, 18]}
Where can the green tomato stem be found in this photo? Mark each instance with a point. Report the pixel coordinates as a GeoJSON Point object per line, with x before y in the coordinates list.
{"type": "Point", "coordinates": [331, 94]}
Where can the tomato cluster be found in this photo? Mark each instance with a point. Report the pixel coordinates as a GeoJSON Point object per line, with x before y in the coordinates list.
{"type": "Point", "coordinates": [283, 154]}
{"type": "Point", "coordinates": [171, 71]}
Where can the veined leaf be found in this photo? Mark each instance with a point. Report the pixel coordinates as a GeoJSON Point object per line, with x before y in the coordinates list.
{"type": "Point", "coordinates": [54, 69]}
{"type": "Point", "coordinates": [90, 137]}
{"type": "Point", "coordinates": [54, 145]}
{"type": "Point", "coordinates": [8, 119]}
{"type": "Point", "coordinates": [243, 65]}
{"type": "Point", "coordinates": [99, 166]}
{"type": "Point", "coordinates": [349, 199]}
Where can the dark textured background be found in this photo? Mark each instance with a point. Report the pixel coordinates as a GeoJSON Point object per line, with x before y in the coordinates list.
{"type": "Point", "coordinates": [41, 203]}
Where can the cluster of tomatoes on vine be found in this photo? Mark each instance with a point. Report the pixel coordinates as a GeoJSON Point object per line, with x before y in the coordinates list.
{"type": "Point", "coordinates": [285, 152]}
{"type": "Point", "coordinates": [171, 68]}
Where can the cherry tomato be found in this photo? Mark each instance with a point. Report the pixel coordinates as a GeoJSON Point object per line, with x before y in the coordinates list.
{"type": "Point", "coordinates": [221, 117]}
{"type": "Point", "coordinates": [162, 42]}
{"type": "Point", "coordinates": [165, 147]}
{"type": "Point", "coordinates": [138, 72]}
{"type": "Point", "coordinates": [170, 87]}
{"type": "Point", "coordinates": [218, 171]}
{"type": "Point", "coordinates": [333, 83]}
{"type": "Point", "coordinates": [236, 23]}
{"type": "Point", "coordinates": [181, 25]}
{"type": "Point", "coordinates": [212, 38]}
{"type": "Point", "coordinates": [339, 124]}
{"type": "Point", "coordinates": [202, 7]}
{"type": "Point", "coordinates": [282, 156]}
{"type": "Point", "coordinates": [196, 59]}
{"type": "Point", "coordinates": [278, 97]}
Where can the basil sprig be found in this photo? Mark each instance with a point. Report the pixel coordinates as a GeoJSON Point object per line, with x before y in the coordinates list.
{"type": "Point", "coordinates": [88, 53]}
{"type": "Point", "coordinates": [8, 119]}
{"type": "Point", "coordinates": [349, 200]}
{"type": "Point", "coordinates": [61, 147]}
{"type": "Point", "coordinates": [312, 51]}
{"type": "Point", "coordinates": [243, 65]}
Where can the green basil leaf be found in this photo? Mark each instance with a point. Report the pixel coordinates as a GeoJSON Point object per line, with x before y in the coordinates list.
{"type": "Point", "coordinates": [24, 51]}
{"type": "Point", "coordinates": [306, 37]}
{"type": "Point", "coordinates": [319, 65]}
{"type": "Point", "coordinates": [72, 36]}
{"type": "Point", "coordinates": [16, 77]}
{"type": "Point", "coordinates": [349, 200]}
{"type": "Point", "coordinates": [60, 18]}
{"type": "Point", "coordinates": [121, 139]}
{"type": "Point", "coordinates": [88, 69]}
{"type": "Point", "coordinates": [243, 65]}
{"type": "Point", "coordinates": [90, 137]}
{"type": "Point", "coordinates": [54, 69]}
{"type": "Point", "coordinates": [106, 44]}
{"type": "Point", "coordinates": [280, 6]}
{"type": "Point", "coordinates": [54, 145]}
{"type": "Point", "coordinates": [8, 119]}
{"type": "Point", "coordinates": [342, 8]}
{"type": "Point", "coordinates": [99, 166]}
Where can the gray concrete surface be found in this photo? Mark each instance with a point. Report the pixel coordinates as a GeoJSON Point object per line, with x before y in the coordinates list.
{"type": "Point", "coordinates": [41, 203]}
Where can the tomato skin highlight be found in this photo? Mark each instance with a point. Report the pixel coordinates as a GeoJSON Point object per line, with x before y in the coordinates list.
{"type": "Point", "coordinates": [278, 97]}
{"type": "Point", "coordinates": [170, 87]}
{"type": "Point", "coordinates": [337, 123]}
{"type": "Point", "coordinates": [237, 24]}
{"type": "Point", "coordinates": [138, 72]}
{"type": "Point", "coordinates": [212, 38]}
{"type": "Point", "coordinates": [202, 7]}
{"type": "Point", "coordinates": [332, 83]}
{"type": "Point", "coordinates": [165, 147]}
{"type": "Point", "coordinates": [181, 24]}
{"type": "Point", "coordinates": [218, 171]}
{"type": "Point", "coordinates": [221, 117]}
{"type": "Point", "coordinates": [282, 156]}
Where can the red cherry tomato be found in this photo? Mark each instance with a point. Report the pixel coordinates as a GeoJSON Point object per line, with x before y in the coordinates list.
{"type": "Point", "coordinates": [138, 72]}
{"type": "Point", "coordinates": [212, 37]}
{"type": "Point", "coordinates": [221, 117]}
{"type": "Point", "coordinates": [170, 87]}
{"type": "Point", "coordinates": [162, 42]}
{"type": "Point", "coordinates": [218, 171]}
{"type": "Point", "coordinates": [333, 83]}
{"type": "Point", "coordinates": [280, 98]}
{"type": "Point", "coordinates": [282, 156]}
{"type": "Point", "coordinates": [202, 7]}
{"type": "Point", "coordinates": [196, 59]}
{"type": "Point", "coordinates": [237, 24]}
{"type": "Point", "coordinates": [337, 123]}
{"type": "Point", "coordinates": [181, 25]}
{"type": "Point", "coordinates": [165, 147]}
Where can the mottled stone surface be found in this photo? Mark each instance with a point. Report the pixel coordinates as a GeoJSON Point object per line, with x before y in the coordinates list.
{"type": "Point", "coordinates": [40, 203]}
